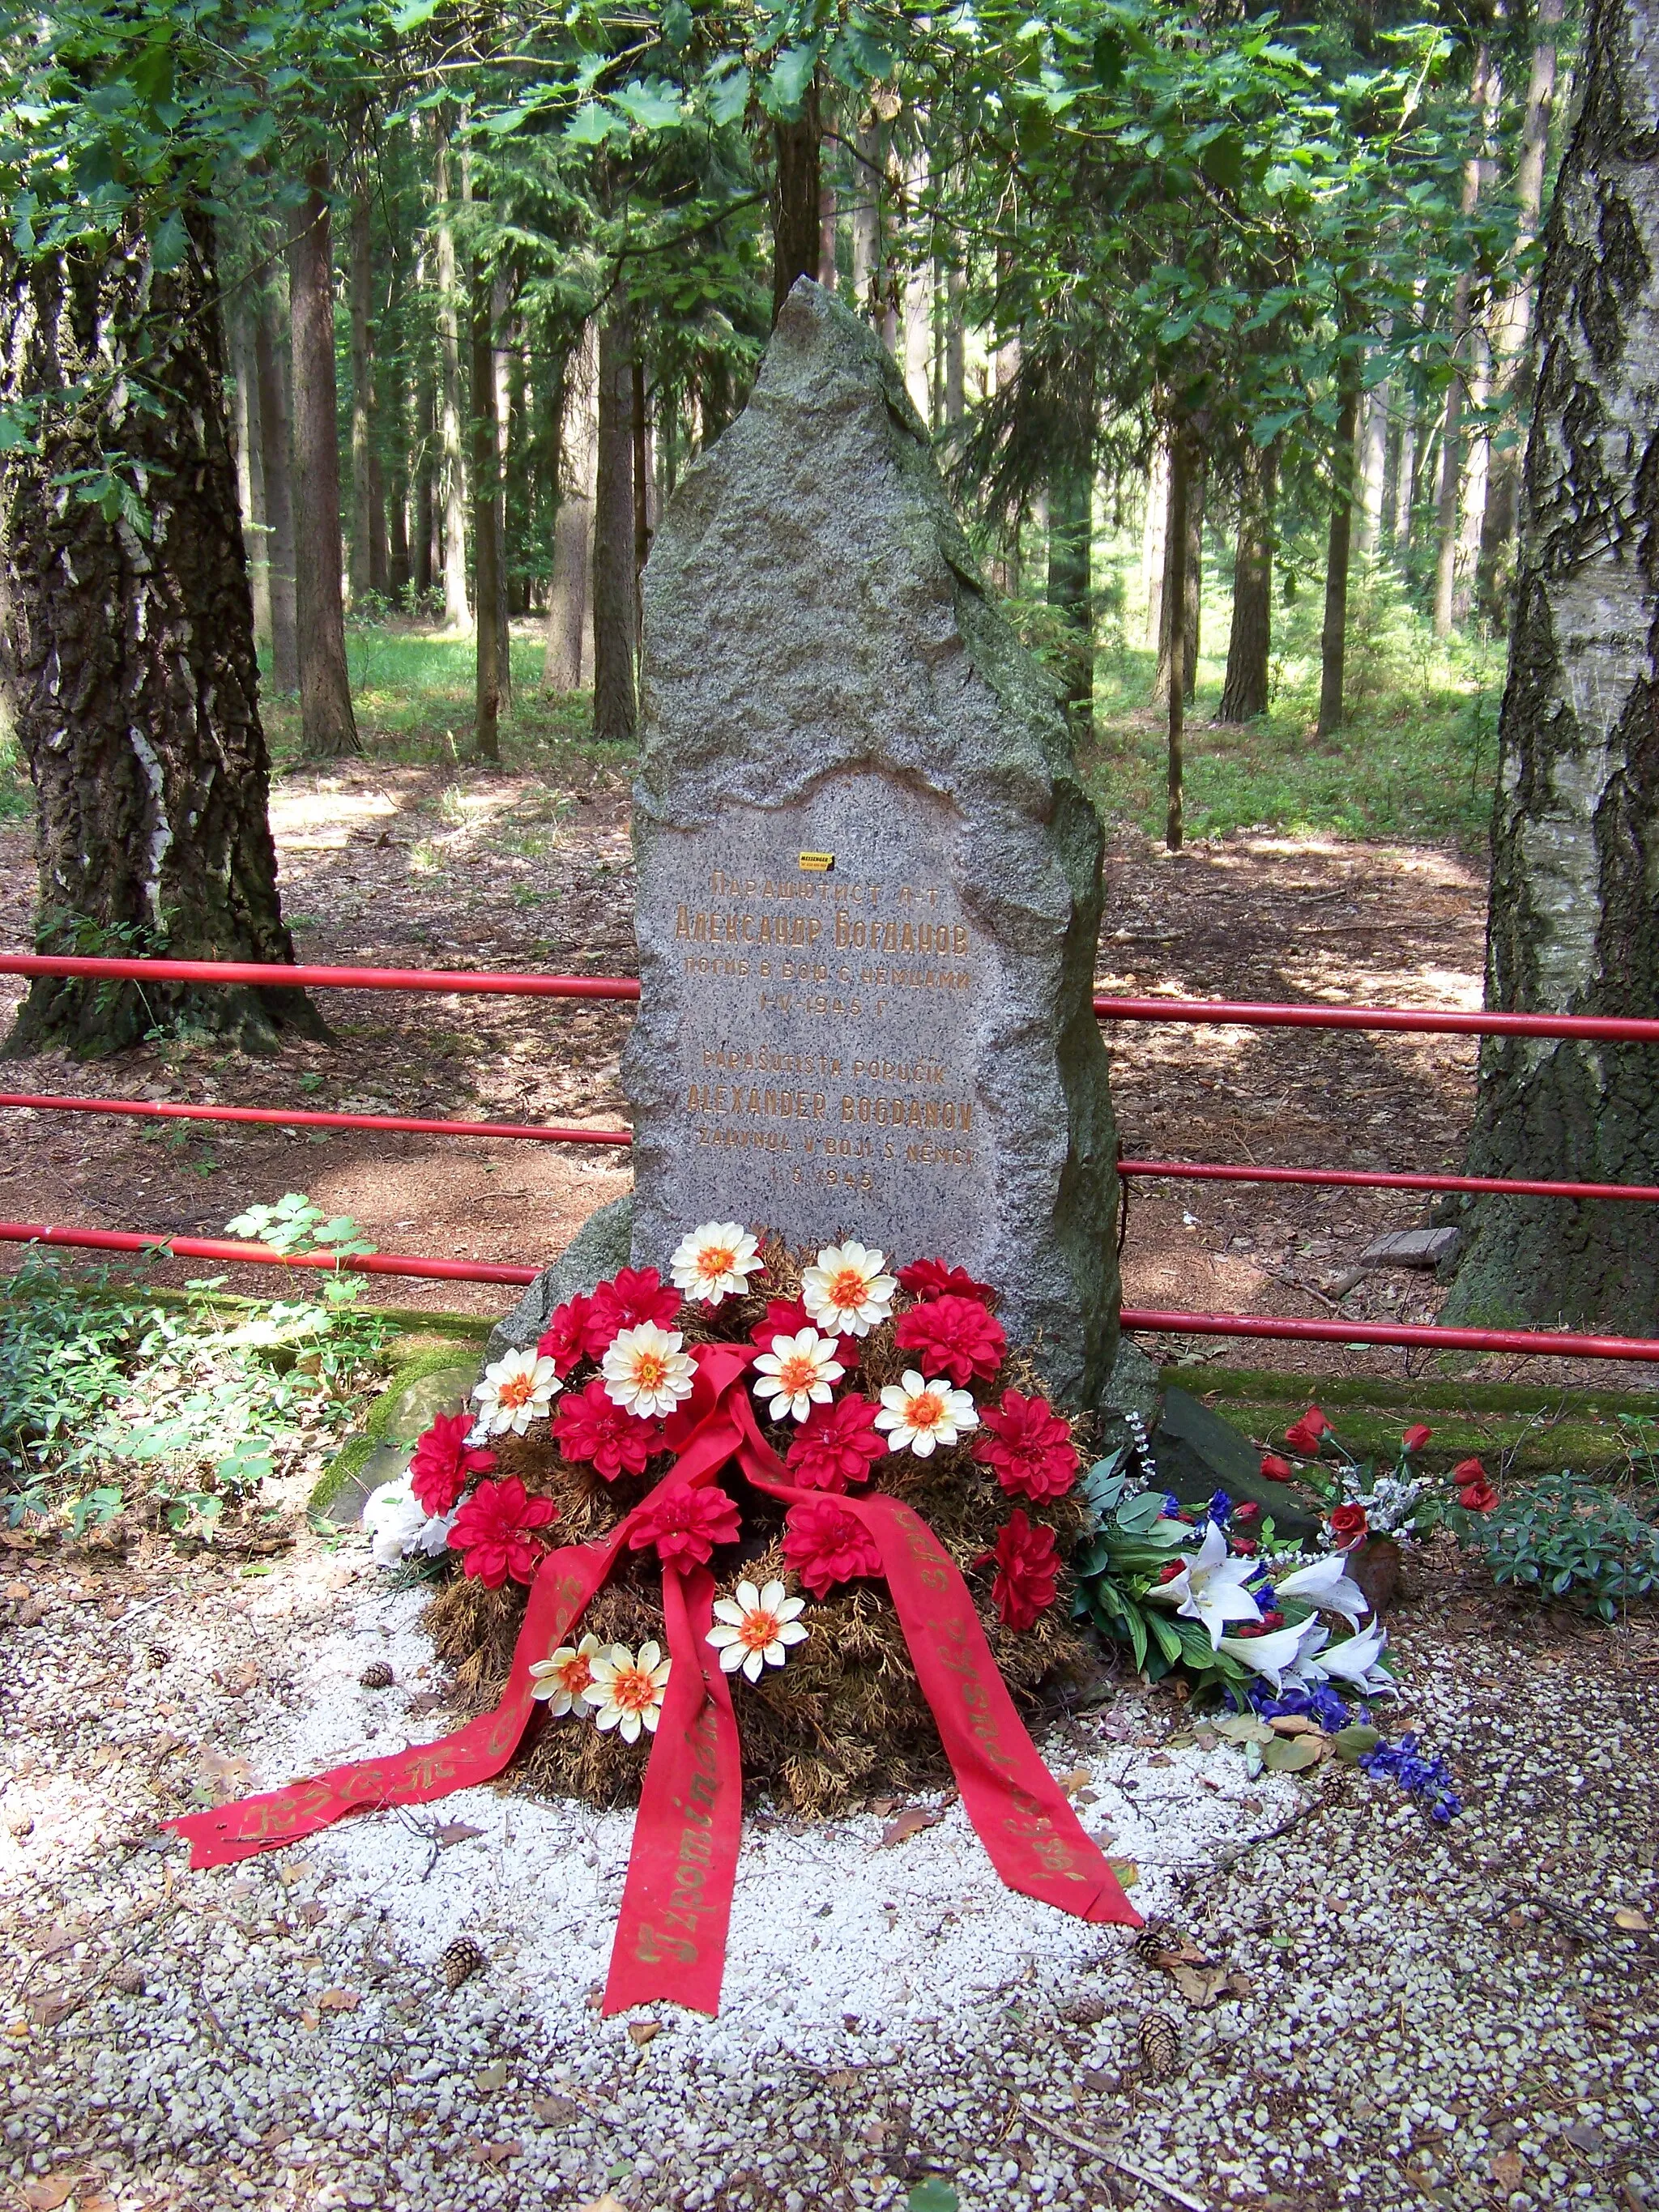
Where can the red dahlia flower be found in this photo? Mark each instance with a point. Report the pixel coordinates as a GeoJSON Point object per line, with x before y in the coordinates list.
{"type": "Point", "coordinates": [953, 1336]}
{"type": "Point", "coordinates": [443, 1462]}
{"type": "Point", "coordinates": [685, 1523]}
{"type": "Point", "coordinates": [565, 1337]}
{"type": "Point", "coordinates": [1477, 1497]}
{"type": "Point", "coordinates": [1303, 1436]}
{"type": "Point", "coordinates": [826, 1545]}
{"type": "Point", "coordinates": [932, 1278]}
{"type": "Point", "coordinates": [837, 1444]}
{"type": "Point", "coordinates": [493, 1531]}
{"type": "Point", "coordinates": [590, 1426]}
{"type": "Point", "coordinates": [1348, 1525]}
{"type": "Point", "coordinates": [788, 1317]}
{"type": "Point", "coordinates": [1028, 1571]}
{"type": "Point", "coordinates": [1027, 1447]}
{"type": "Point", "coordinates": [1415, 1437]}
{"type": "Point", "coordinates": [632, 1296]}
{"type": "Point", "coordinates": [1276, 1470]}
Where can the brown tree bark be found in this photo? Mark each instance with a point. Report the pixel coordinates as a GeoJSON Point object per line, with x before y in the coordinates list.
{"type": "Point", "coordinates": [1451, 446]}
{"type": "Point", "coordinates": [1071, 502]}
{"type": "Point", "coordinates": [1192, 576]}
{"type": "Point", "coordinates": [1574, 925]}
{"type": "Point", "coordinates": [569, 599]}
{"type": "Point", "coordinates": [277, 451]}
{"type": "Point", "coordinates": [457, 614]}
{"type": "Point", "coordinates": [329, 728]}
{"type": "Point", "coordinates": [1249, 644]}
{"type": "Point", "coordinates": [1175, 598]}
{"type": "Point", "coordinates": [426, 508]}
{"type": "Point", "coordinates": [359, 288]}
{"type": "Point", "coordinates": [796, 147]}
{"type": "Point", "coordinates": [1334, 635]}
{"type": "Point", "coordinates": [615, 635]}
{"type": "Point", "coordinates": [486, 529]}
{"type": "Point", "coordinates": [126, 648]}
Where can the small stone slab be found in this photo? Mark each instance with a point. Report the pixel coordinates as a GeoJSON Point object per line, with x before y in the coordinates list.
{"type": "Point", "coordinates": [1199, 1453]}
{"type": "Point", "coordinates": [386, 1464]}
{"type": "Point", "coordinates": [1412, 1247]}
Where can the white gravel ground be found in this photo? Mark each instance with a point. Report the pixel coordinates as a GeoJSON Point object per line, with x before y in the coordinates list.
{"type": "Point", "coordinates": [1440, 2016]}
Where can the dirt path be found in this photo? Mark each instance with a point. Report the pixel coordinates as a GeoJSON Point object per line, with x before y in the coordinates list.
{"type": "Point", "coordinates": [426, 867]}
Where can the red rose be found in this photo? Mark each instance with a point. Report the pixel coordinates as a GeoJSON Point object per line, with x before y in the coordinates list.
{"type": "Point", "coordinates": [1027, 1446]}
{"type": "Point", "coordinates": [1247, 1511]}
{"type": "Point", "coordinates": [837, 1444]}
{"type": "Point", "coordinates": [1348, 1525]}
{"type": "Point", "coordinates": [788, 1317]}
{"type": "Point", "coordinates": [632, 1296]}
{"type": "Point", "coordinates": [1303, 1436]}
{"type": "Point", "coordinates": [1271, 1620]}
{"type": "Point", "coordinates": [493, 1531]}
{"type": "Point", "coordinates": [565, 1337]}
{"type": "Point", "coordinates": [1477, 1497]}
{"type": "Point", "coordinates": [1276, 1470]}
{"type": "Point", "coordinates": [1028, 1571]}
{"type": "Point", "coordinates": [932, 1278]}
{"type": "Point", "coordinates": [953, 1336]}
{"type": "Point", "coordinates": [590, 1426]}
{"type": "Point", "coordinates": [443, 1461]}
{"type": "Point", "coordinates": [1170, 1568]}
{"type": "Point", "coordinates": [825, 1545]}
{"type": "Point", "coordinates": [1468, 1470]}
{"type": "Point", "coordinates": [1245, 1547]}
{"type": "Point", "coordinates": [685, 1523]}
{"type": "Point", "coordinates": [1415, 1437]}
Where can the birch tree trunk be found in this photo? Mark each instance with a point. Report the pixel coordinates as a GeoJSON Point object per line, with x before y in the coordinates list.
{"type": "Point", "coordinates": [1574, 920]}
{"type": "Point", "coordinates": [251, 469]}
{"type": "Point", "coordinates": [328, 726]}
{"type": "Point", "coordinates": [1373, 470]}
{"type": "Point", "coordinates": [276, 451]}
{"type": "Point", "coordinates": [126, 649]}
{"type": "Point", "coordinates": [1451, 450]}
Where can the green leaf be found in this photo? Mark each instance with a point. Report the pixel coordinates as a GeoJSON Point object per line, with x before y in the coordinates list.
{"type": "Point", "coordinates": [791, 76]}
{"type": "Point", "coordinates": [414, 13]}
{"type": "Point", "coordinates": [728, 95]}
{"type": "Point", "coordinates": [1290, 1754]}
{"type": "Point", "coordinates": [676, 25]}
{"type": "Point", "coordinates": [1166, 1635]}
{"type": "Point", "coordinates": [168, 247]}
{"type": "Point", "coordinates": [653, 106]}
{"type": "Point", "coordinates": [1354, 1741]}
{"type": "Point", "coordinates": [1140, 1514]}
{"type": "Point", "coordinates": [931, 2196]}
{"type": "Point", "coordinates": [592, 125]}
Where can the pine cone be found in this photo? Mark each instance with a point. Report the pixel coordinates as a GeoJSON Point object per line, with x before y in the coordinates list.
{"type": "Point", "coordinates": [1154, 1937]}
{"type": "Point", "coordinates": [460, 1960]}
{"type": "Point", "coordinates": [377, 1675]}
{"type": "Point", "coordinates": [1160, 2045]}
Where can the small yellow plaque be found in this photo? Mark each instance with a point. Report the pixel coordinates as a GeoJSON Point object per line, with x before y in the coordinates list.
{"type": "Point", "coordinates": [818, 864]}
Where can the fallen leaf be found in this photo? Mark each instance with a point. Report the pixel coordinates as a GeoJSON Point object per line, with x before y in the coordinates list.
{"type": "Point", "coordinates": [309, 2019]}
{"type": "Point", "coordinates": [223, 1776]}
{"type": "Point", "coordinates": [1632, 1921]}
{"type": "Point", "coordinates": [641, 2032]}
{"type": "Point", "coordinates": [454, 1832]}
{"type": "Point", "coordinates": [1202, 1987]}
{"type": "Point", "coordinates": [1239, 1984]}
{"type": "Point", "coordinates": [1182, 1954]}
{"type": "Point", "coordinates": [310, 1913]}
{"type": "Point", "coordinates": [240, 1680]}
{"type": "Point", "coordinates": [338, 2001]}
{"type": "Point", "coordinates": [1290, 1754]}
{"type": "Point", "coordinates": [1242, 1727]}
{"type": "Point", "coordinates": [424, 1701]}
{"type": "Point", "coordinates": [1585, 2137]}
{"type": "Point", "coordinates": [843, 2077]}
{"type": "Point", "coordinates": [47, 2193]}
{"type": "Point", "coordinates": [495, 2153]}
{"type": "Point", "coordinates": [16, 1592]}
{"type": "Point", "coordinates": [605, 2203]}
{"type": "Point", "coordinates": [554, 2111]}
{"type": "Point", "coordinates": [1127, 1872]}
{"type": "Point", "coordinates": [1291, 1725]}
{"type": "Point", "coordinates": [881, 1806]}
{"type": "Point", "coordinates": [1506, 2168]}
{"type": "Point", "coordinates": [1079, 1779]}
{"type": "Point", "coordinates": [47, 2012]}
{"type": "Point", "coordinates": [493, 2076]}
{"type": "Point", "coordinates": [1351, 1743]}
{"type": "Point", "coordinates": [910, 1822]}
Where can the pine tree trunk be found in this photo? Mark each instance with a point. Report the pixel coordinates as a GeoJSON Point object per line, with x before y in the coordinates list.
{"type": "Point", "coordinates": [329, 728]}
{"type": "Point", "coordinates": [1174, 596]}
{"type": "Point", "coordinates": [1192, 574]}
{"type": "Point", "coordinates": [1249, 646]}
{"type": "Point", "coordinates": [615, 639]}
{"type": "Point", "coordinates": [250, 469]}
{"type": "Point", "coordinates": [1451, 449]}
{"type": "Point", "coordinates": [126, 648]}
{"type": "Point", "coordinates": [360, 287]}
{"type": "Point", "coordinates": [426, 504]}
{"type": "Point", "coordinates": [1070, 488]}
{"type": "Point", "coordinates": [486, 542]}
{"type": "Point", "coordinates": [457, 614]}
{"type": "Point", "coordinates": [829, 228]}
{"type": "Point", "coordinates": [796, 147]}
{"type": "Point", "coordinates": [1153, 538]}
{"type": "Point", "coordinates": [1333, 637]}
{"type": "Point", "coordinates": [569, 598]}
{"type": "Point", "coordinates": [1574, 924]}
{"type": "Point", "coordinates": [275, 446]}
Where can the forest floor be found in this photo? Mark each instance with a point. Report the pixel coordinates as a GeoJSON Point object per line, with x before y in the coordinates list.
{"type": "Point", "coordinates": [395, 861]}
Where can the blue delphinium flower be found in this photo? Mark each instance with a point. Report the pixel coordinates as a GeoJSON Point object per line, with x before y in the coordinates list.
{"type": "Point", "coordinates": [1427, 1782]}
{"type": "Point", "coordinates": [1219, 1508]}
{"type": "Point", "coordinates": [1171, 1506]}
{"type": "Point", "coordinates": [1317, 1702]}
{"type": "Point", "coordinates": [1263, 1594]}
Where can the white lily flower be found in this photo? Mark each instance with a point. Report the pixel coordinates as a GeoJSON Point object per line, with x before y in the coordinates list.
{"type": "Point", "coordinates": [1354, 1660]}
{"type": "Point", "coordinates": [1272, 1656]}
{"type": "Point", "coordinates": [1326, 1582]}
{"type": "Point", "coordinates": [1210, 1587]}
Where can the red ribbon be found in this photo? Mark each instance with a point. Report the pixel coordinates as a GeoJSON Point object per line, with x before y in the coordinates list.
{"type": "Point", "coordinates": [677, 1902]}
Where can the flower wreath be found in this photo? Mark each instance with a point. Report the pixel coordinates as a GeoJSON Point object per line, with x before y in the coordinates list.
{"type": "Point", "coordinates": [835, 1399]}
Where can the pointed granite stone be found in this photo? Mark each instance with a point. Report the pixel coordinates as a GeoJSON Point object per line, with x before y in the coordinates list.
{"type": "Point", "coordinates": [869, 881]}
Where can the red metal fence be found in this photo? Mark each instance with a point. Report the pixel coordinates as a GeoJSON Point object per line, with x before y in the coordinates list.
{"type": "Point", "coordinates": [1207, 1012]}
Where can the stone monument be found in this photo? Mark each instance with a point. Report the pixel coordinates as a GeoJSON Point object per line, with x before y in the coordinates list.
{"type": "Point", "coordinates": [868, 880]}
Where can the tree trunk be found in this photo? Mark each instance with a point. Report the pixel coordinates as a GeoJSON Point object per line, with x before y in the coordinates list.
{"type": "Point", "coordinates": [1192, 574]}
{"type": "Point", "coordinates": [640, 419]}
{"type": "Point", "coordinates": [1405, 476]}
{"type": "Point", "coordinates": [329, 729]}
{"type": "Point", "coordinates": [276, 452]}
{"type": "Point", "coordinates": [426, 508]}
{"type": "Point", "coordinates": [1574, 926]}
{"type": "Point", "coordinates": [1333, 637]}
{"type": "Point", "coordinates": [828, 223]}
{"type": "Point", "coordinates": [870, 149]}
{"type": "Point", "coordinates": [615, 639]}
{"type": "Point", "coordinates": [250, 469]}
{"type": "Point", "coordinates": [1175, 595]}
{"type": "Point", "coordinates": [956, 348]}
{"type": "Point", "coordinates": [796, 147]}
{"type": "Point", "coordinates": [362, 397]}
{"type": "Point", "coordinates": [1373, 468]}
{"type": "Point", "coordinates": [1249, 646]}
{"type": "Point", "coordinates": [569, 599]}
{"type": "Point", "coordinates": [1070, 488]}
{"type": "Point", "coordinates": [1451, 451]}
{"type": "Point", "coordinates": [486, 540]}
{"type": "Point", "coordinates": [1153, 538]}
{"type": "Point", "coordinates": [127, 652]}
{"type": "Point", "coordinates": [457, 614]}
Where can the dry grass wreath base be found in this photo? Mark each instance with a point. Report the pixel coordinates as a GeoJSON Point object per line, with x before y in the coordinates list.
{"type": "Point", "coordinates": [845, 1719]}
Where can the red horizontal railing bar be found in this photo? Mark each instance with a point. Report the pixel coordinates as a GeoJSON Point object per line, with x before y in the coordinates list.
{"type": "Point", "coordinates": [1377, 1179]}
{"type": "Point", "coordinates": [261, 1256]}
{"type": "Point", "coordinates": [166, 1109]}
{"type": "Point", "coordinates": [1420, 1337]}
{"type": "Point", "coordinates": [1223, 1013]}
{"type": "Point", "coordinates": [275, 975]}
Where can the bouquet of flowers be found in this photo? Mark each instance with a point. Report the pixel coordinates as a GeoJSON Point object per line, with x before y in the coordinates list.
{"type": "Point", "coordinates": [860, 1381]}
{"type": "Point", "coordinates": [1403, 1503]}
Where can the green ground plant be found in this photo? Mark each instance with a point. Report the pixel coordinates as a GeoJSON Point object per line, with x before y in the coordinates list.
{"type": "Point", "coordinates": [1564, 1538]}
